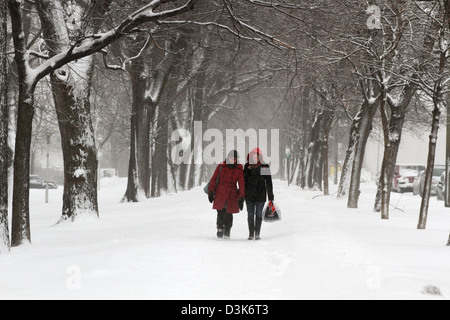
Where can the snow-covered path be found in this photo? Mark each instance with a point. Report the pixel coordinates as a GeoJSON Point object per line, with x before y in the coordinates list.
{"type": "Point", "coordinates": [166, 248]}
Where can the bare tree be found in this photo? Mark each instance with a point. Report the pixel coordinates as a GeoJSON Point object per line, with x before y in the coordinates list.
{"type": "Point", "coordinates": [359, 133]}
{"type": "Point", "coordinates": [350, 43]}
{"type": "Point", "coordinates": [434, 83]}
{"type": "Point", "coordinates": [71, 93]}
{"type": "Point", "coordinates": [4, 121]}
{"type": "Point", "coordinates": [332, 96]}
{"type": "Point", "coordinates": [148, 87]}
{"type": "Point", "coordinates": [393, 124]}
{"type": "Point", "coordinates": [392, 111]}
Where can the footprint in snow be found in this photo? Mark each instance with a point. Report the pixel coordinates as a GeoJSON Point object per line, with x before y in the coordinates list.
{"type": "Point", "coordinates": [280, 263]}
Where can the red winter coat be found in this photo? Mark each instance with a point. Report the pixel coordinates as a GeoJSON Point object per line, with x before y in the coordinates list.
{"type": "Point", "coordinates": [227, 191]}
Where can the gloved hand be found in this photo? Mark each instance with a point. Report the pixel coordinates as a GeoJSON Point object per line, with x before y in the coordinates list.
{"type": "Point", "coordinates": [241, 203]}
{"type": "Point", "coordinates": [211, 196]}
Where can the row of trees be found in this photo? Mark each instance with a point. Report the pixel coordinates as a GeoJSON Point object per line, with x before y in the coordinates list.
{"type": "Point", "coordinates": [370, 73]}
{"type": "Point", "coordinates": [226, 64]}
{"type": "Point", "coordinates": [55, 41]}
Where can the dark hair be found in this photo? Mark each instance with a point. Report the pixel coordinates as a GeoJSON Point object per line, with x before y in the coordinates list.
{"type": "Point", "coordinates": [233, 153]}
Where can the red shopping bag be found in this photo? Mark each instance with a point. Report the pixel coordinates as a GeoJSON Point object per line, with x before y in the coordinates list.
{"type": "Point", "coordinates": [272, 212]}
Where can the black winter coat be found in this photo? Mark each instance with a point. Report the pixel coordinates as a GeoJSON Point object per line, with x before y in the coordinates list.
{"type": "Point", "coordinates": [257, 186]}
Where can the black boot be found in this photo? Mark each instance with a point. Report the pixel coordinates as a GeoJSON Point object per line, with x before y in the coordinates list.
{"type": "Point", "coordinates": [220, 223]}
{"type": "Point", "coordinates": [228, 225]}
{"type": "Point", "coordinates": [251, 228]}
{"type": "Point", "coordinates": [258, 228]}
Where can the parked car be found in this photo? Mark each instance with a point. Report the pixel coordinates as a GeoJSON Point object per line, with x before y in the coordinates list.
{"type": "Point", "coordinates": [52, 184]}
{"type": "Point", "coordinates": [437, 173]}
{"type": "Point", "coordinates": [37, 183]}
{"type": "Point", "coordinates": [441, 188]}
{"type": "Point", "coordinates": [404, 176]}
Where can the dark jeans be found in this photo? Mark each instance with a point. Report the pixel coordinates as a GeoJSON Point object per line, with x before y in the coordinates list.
{"type": "Point", "coordinates": [255, 208]}
{"type": "Point", "coordinates": [224, 220]}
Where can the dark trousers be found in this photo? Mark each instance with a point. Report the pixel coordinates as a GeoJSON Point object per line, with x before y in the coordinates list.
{"type": "Point", "coordinates": [255, 209]}
{"type": "Point", "coordinates": [254, 225]}
{"type": "Point", "coordinates": [224, 220]}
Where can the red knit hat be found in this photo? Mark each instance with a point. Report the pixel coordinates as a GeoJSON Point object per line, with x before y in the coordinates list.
{"type": "Point", "coordinates": [255, 151]}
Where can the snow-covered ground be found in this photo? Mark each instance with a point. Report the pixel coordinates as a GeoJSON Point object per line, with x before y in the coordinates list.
{"type": "Point", "coordinates": [166, 248]}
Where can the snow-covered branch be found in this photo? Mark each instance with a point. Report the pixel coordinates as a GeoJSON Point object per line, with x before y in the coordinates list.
{"type": "Point", "coordinates": [273, 4]}
{"type": "Point", "coordinates": [264, 36]}
{"type": "Point", "coordinates": [96, 42]}
{"type": "Point", "coordinates": [38, 54]}
{"type": "Point", "coordinates": [126, 61]}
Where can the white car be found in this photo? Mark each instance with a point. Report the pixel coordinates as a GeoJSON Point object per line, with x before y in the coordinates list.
{"type": "Point", "coordinates": [437, 172]}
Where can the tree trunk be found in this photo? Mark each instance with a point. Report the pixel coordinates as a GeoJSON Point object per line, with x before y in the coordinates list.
{"type": "Point", "coordinates": [203, 144]}
{"type": "Point", "coordinates": [344, 182]}
{"type": "Point", "coordinates": [141, 117]}
{"type": "Point", "coordinates": [159, 159]}
{"type": "Point", "coordinates": [362, 128]}
{"type": "Point", "coordinates": [147, 92]}
{"type": "Point", "coordinates": [326, 188]}
{"type": "Point", "coordinates": [384, 189]}
{"type": "Point", "coordinates": [4, 120]}
{"type": "Point", "coordinates": [183, 168]}
{"type": "Point", "coordinates": [314, 152]}
{"type": "Point", "coordinates": [306, 130]}
{"type": "Point", "coordinates": [328, 123]}
{"type": "Point", "coordinates": [391, 144]}
{"type": "Point", "coordinates": [318, 168]}
{"type": "Point", "coordinates": [393, 137]}
{"type": "Point", "coordinates": [429, 170]}
{"type": "Point", "coordinates": [20, 228]}
{"type": "Point", "coordinates": [144, 120]}
{"type": "Point", "coordinates": [171, 167]}
{"type": "Point", "coordinates": [447, 156]}
{"type": "Point", "coordinates": [71, 87]}
{"type": "Point", "coordinates": [78, 141]}
{"type": "Point", "coordinates": [20, 231]}
{"type": "Point", "coordinates": [131, 194]}
{"type": "Point", "coordinates": [197, 116]}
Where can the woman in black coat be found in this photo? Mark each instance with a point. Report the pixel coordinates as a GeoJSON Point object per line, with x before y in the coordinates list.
{"type": "Point", "coordinates": [258, 186]}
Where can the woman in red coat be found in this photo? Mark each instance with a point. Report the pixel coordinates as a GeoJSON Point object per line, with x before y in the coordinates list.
{"type": "Point", "coordinates": [227, 198]}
